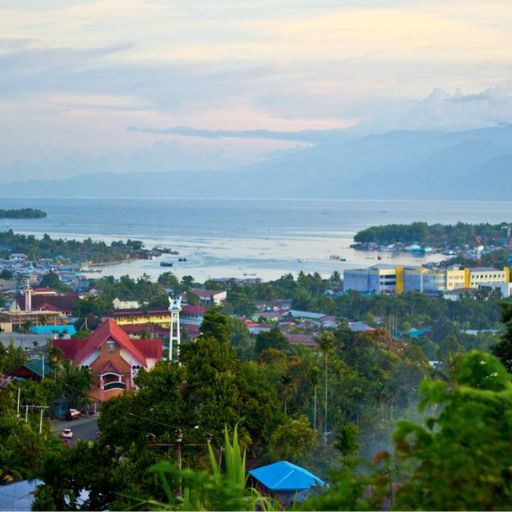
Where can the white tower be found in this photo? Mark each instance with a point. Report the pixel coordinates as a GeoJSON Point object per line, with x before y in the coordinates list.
{"type": "Point", "coordinates": [174, 329]}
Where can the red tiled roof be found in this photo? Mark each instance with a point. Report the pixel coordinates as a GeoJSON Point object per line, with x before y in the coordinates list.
{"type": "Point", "coordinates": [109, 366]}
{"type": "Point", "coordinates": [151, 348]}
{"type": "Point", "coordinates": [301, 339]}
{"type": "Point", "coordinates": [64, 302]}
{"type": "Point", "coordinates": [109, 330]}
{"type": "Point", "coordinates": [189, 309]}
{"type": "Point", "coordinates": [69, 347]}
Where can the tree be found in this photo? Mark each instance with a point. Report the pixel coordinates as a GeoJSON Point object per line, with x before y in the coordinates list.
{"type": "Point", "coordinates": [292, 440]}
{"type": "Point", "coordinates": [215, 325]}
{"type": "Point", "coordinates": [169, 280]}
{"type": "Point", "coordinates": [52, 280]}
{"type": "Point", "coordinates": [462, 457]}
{"type": "Point", "coordinates": [273, 339]}
{"type": "Point", "coordinates": [503, 348]}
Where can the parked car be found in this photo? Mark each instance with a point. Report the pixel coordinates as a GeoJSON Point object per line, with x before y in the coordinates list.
{"type": "Point", "coordinates": [67, 433]}
{"type": "Point", "coordinates": [73, 414]}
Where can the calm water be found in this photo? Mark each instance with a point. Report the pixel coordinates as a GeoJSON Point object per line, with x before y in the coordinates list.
{"type": "Point", "coordinates": [240, 238]}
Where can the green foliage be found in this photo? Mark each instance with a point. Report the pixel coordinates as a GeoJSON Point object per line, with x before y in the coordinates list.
{"type": "Point", "coordinates": [71, 250]}
{"type": "Point", "coordinates": [23, 213]}
{"type": "Point", "coordinates": [215, 325]}
{"type": "Point", "coordinates": [503, 349]}
{"type": "Point", "coordinates": [52, 280]}
{"type": "Point", "coordinates": [462, 457]}
{"type": "Point", "coordinates": [292, 440]}
{"type": "Point", "coordinates": [436, 235]}
{"type": "Point", "coordinates": [208, 490]}
{"type": "Point", "coordinates": [273, 339]}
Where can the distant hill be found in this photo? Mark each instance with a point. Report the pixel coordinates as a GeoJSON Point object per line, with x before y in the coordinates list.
{"type": "Point", "coordinates": [475, 164]}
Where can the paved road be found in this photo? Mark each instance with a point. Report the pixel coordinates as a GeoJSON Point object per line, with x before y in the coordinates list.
{"type": "Point", "coordinates": [83, 429]}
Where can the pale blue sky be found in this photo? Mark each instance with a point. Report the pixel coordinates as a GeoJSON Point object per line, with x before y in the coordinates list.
{"type": "Point", "coordinates": [75, 75]}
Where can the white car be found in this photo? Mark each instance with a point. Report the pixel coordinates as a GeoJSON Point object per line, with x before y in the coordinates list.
{"type": "Point", "coordinates": [67, 433]}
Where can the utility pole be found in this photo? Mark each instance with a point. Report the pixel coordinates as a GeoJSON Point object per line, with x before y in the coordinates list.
{"type": "Point", "coordinates": [40, 421]}
{"type": "Point", "coordinates": [179, 443]}
{"type": "Point", "coordinates": [18, 404]}
{"type": "Point", "coordinates": [325, 401]}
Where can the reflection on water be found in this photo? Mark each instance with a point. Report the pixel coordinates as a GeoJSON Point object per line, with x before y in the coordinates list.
{"type": "Point", "coordinates": [241, 238]}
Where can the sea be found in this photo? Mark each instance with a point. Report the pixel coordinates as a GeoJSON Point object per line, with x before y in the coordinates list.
{"type": "Point", "coordinates": [223, 238]}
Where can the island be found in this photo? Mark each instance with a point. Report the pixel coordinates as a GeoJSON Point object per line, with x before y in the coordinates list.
{"type": "Point", "coordinates": [23, 213]}
{"type": "Point", "coordinates": [439, 237]}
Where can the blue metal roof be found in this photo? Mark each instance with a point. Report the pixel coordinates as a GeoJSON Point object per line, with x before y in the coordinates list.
{"type": "Point", "coordinates": [285, 476]}
{"type": "Point", "coordinates": [54, 329]}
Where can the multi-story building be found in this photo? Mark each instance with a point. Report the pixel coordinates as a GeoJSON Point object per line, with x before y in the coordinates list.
{"type": "Point", "coordinates": [391, 279]}
{"type": "Point", "coordinates": [377, 279]}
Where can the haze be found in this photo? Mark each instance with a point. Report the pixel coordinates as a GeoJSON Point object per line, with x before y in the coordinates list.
{"type": "Point", "coordinates": [148, 85]}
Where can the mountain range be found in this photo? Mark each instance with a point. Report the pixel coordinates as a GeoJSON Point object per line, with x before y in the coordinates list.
{"type": "Point", "coordinates": [473, 164]}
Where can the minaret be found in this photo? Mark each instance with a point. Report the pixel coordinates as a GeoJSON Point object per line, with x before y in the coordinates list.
{"type": "Point", "coordinates": [28, 297]}
{"type": "Point", "coordinates": [174, 309]}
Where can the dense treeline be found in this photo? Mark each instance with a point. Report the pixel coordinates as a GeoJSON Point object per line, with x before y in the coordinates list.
{"type": "Point", "coordinates": [23, 213]}
{"type": "Point", "coordinates": [310, 292]}
{"type": "Point", "coordinates": [436, 235]}
{"type": "Point", "coordinates": [324, 408]}
{"type": "Point", "coordinates": [68, 250]}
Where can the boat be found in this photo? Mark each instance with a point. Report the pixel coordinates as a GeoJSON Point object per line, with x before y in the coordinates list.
{"type": "Point", "coordinates": [166, 263]}
{"type": "Point", "coordinates": [182, 259]}
{"type": "Point", "coordinates": [334, 257]}
{"type": "Point", "coordinates": [174, 252]}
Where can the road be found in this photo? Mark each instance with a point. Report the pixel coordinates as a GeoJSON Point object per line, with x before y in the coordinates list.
{"type": "Point", "coordinates": [83, 429]}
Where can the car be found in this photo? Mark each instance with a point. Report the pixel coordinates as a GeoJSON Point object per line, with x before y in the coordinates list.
{"type": "Point", "coordinates": [67, 433]}
{"type": "Point", "coordinates": [73, 414]}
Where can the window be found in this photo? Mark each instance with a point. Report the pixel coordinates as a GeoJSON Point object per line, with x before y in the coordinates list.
{"type": "Point", "coordinates": [111, 346]}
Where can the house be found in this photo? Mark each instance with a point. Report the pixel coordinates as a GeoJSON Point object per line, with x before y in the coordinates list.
{"type": "Point", "coordinates": [34, 369]}
{"type": "Point", "coordinates": [210, 297]}
{"type": "Point", "coordinates": [113, 358]}
{"type": "Point", "coordinates": [307, 340]}
{"type": "Point", "coordinates": [285, 481]}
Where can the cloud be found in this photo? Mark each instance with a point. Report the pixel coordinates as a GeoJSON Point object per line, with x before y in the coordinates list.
{"type": "Point", "coordinates": [448, 111]}
{"type": "Point", "coordinates": [313, 136]}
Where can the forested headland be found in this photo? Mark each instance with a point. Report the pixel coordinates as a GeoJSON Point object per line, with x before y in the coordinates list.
{"type": "Point", "coordinates": [434, 235]}
{"type": "Point", "coordinates": [23, 213]}
{"type": "Point", "coordinates": [72, 250]}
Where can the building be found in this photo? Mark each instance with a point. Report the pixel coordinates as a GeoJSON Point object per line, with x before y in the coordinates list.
{"type": "Point", "coordinates": [285, 481]}
{"type": "Point", "coordinates": [113, 358]}
{"type": "Point", "coordinates": [390, 279]}
{"type": "Point", "coordinates": [189, 315]}
{"type": "Point", "coordinates": [125, 304]}
{"type": "Point", "coordinates": [46, 299]}
{"type": "Point", "coordinates": [20, 318]}
{"type": "Point", "coordinates": [210, 297]}
{"type": "Point", "coordinates": [377, 279]}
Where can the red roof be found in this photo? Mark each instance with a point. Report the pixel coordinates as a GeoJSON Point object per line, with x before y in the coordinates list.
{"type": "Point", "coordinates": [43, 290]}
{"type": "Point", "coordinates": [189, 309]}
{"type": "Point", "coordinates": [69, 347]}
{"type": "Point", "coordinates": [109, 366]}
{"type": "Point", "coordinates": [151, 348]}
{"type": "Point", "coordinates": [109, 330]}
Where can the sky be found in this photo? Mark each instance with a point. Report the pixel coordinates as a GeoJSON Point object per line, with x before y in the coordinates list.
{"type": "Point", "coordinates": [145, 85]}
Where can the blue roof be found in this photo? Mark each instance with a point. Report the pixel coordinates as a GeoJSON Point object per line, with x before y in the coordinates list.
{"type": "Point", "coordinates": [285, 476]}
{"type": "Point", "coordinates": [54, 329]}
